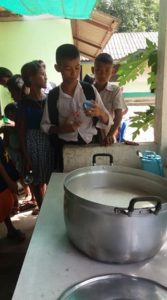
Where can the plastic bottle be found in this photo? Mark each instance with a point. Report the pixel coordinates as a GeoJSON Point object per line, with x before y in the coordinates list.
{"type": "Point", "coordinates": [5, 120]}
{"type": "Point", "coordinates": [28, 178]}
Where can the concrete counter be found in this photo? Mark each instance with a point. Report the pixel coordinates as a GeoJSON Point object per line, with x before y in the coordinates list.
{"type": "Point", "coordinates": [52, 264]}
{"type": "Point", "coordinates": [124, 155]}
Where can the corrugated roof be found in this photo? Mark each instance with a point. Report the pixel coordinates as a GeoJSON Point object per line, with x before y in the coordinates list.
{"type": "Point", "coordinates": [122, 44]}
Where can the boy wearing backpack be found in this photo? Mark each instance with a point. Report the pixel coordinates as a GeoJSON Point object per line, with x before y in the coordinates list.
{"type": "Point", "coordinates": [66, 114]}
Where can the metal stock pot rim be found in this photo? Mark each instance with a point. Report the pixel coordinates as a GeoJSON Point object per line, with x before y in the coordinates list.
{"type": "Point", "coordinates": [104, 169]}
{"type": "Point", "coordinates": [111, 278]}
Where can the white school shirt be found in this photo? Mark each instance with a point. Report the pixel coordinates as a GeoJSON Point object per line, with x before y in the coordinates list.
{"type": "Point", "coordinates": [112, 98]}
{"type": "Point", "coordinates": [67, 105]}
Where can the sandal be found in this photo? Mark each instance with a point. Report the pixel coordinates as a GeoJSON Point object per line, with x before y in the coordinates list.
{"type": "Point", "coordinates": [14, 211]}
{"type": "Point", "coordinates": [16, 235]}
{"type": "Point", "coordinates": [26, 205]}
{"type": "Point", "coordinates": [35, 211]}
{"type": "Point", "coordinates": [130, 143]}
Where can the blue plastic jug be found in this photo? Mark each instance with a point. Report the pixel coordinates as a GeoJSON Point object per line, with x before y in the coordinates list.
{"type": "Point", "coordinates": [152, 162]}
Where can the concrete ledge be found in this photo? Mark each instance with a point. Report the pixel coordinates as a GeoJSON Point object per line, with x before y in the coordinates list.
{"type": "Point", "coordinates": [125, 155]}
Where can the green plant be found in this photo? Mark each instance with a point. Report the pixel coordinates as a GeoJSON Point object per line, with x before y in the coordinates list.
{"type": "Point", "coordinates": [142, 121]}
{"type": "Point", "coordinates": [130, 68]}
{"type": "Point", "coordinates": [135, 15]}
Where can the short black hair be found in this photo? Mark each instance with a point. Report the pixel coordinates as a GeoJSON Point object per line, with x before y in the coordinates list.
{"type": "Point", "coordinates": [66, 51]}
{"type": "Point", "coordinates": [15, 82]}
{"type": "Point", "coordinates": [4, 72]}
{"type": "Point", "coordinates": [41, 62]}
{"type": "Point", "coordinates": [104, 58]}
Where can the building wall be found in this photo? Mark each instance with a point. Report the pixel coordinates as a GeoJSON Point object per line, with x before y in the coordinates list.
{"type": "Point", "coordinates": [138, 85]}
{"type": "Point", "coordinates": [86, 68]}
{"type": "Point", "coordinates": [23, 41]}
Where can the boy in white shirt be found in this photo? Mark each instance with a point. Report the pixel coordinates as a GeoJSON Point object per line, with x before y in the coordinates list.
{"type": "Point", "coordinates": [111, 95]}
{"type": "Point", "coordinates": [71, 122]}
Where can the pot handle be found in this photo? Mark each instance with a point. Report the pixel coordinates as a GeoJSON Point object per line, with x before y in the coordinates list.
{"type": "Point", "coordinates": [102, 154]}
{"type": "Point", "coordinates": [146, 198]}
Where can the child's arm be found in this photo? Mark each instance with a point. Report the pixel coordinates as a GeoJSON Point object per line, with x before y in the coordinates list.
{"type": "Point", "coordinates": [101, 136]}
{"type": "Point", "coordinates": [109, 139]}
{"type": "Point", "coordinates": [117, 122]}
{"type": "Point", "coordinates": [11, 184]}
{"type": "Point", "coordinates": [65, 128]}
{"type": "Point", "coordinates": [49, 128]}
{"type": "Point", "coordinates": [105, 119]}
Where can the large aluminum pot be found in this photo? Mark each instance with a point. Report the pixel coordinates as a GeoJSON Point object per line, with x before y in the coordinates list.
{"type": "Point", "coordinates": [115, 214]}
{"type": "Point", "coordinates": [115, 286]}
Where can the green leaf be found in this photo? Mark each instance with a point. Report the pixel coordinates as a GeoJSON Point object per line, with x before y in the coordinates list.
{"type": "Point", "coordinates": [143, 121]}
{"type": "Point", "coordinates": [134, 65]}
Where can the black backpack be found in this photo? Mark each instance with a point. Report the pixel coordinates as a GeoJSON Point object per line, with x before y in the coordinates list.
{"type": "Point", "coordinates": [53, 98]}
{"type": "Point", "coordinates": [54, 119]}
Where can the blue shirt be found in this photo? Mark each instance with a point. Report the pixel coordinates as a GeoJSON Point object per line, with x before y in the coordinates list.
{"type": "Point", "coordinates": [32, 111]}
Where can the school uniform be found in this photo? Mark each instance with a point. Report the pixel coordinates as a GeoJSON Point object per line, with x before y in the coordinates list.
{"type": "Point", "coordinates": [113, 98]}
{"type": "Point", "coordinates": [37, 142]}
{"type": "Point", "coordinates": [68, 105]}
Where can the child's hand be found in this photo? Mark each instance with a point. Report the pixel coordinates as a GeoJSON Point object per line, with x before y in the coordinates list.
{"type": "Point", "coordinates": [71, 126]}
{"type": "Point", "coordinates": [9, 123]}
{"type": "Point", "coordinates": [108, 140]}
{"type": "Point", "coordinates": [94, 110]}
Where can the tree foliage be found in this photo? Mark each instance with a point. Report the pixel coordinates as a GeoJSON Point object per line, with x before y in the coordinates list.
{"type": "Point", "coordinates": [135, 15]}
{"type": "Point", "coordinates": [134, 65]}
{"type": "Point", "coordinates": [129, 70]}
{"type": "Point", "coordinates": [142, 121]}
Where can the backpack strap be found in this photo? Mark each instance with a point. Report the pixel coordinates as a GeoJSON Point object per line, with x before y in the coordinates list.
{"type": "Point", "coordinates": [88, 90]}
{"type": "Point", "coordinates": [89, 95]}
{"type": "Point", "coordinates": [53, 97]}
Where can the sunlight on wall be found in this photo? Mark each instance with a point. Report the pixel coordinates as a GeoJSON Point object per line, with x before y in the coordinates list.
{"type": "Point", "coordinates": [23, 41]}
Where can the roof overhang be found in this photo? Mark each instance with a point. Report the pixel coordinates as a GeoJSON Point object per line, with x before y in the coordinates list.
{"type": "Point", "coordinates": [91, 36]}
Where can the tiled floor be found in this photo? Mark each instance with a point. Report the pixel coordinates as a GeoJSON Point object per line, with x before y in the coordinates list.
{"type": "Point", "coordinates": [12, 254]}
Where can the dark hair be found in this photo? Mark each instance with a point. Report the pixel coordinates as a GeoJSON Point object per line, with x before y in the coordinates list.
{"type": "Point", "coordinates": [104, 58]}
{"type": "Point", "coordinates": [66, 51]}
{"type": "Point", "coordinates": [15, 83]}
{"type": "Point", "coordinates": [41, 62]}
{"type": "Point", "coordinates": [4, 72]}
{"type": "Point", "coordinates": [11, 107]}
{"type": "Point", "coordinates": [30, 69]}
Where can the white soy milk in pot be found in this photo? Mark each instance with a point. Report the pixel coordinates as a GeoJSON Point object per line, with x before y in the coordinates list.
{"type": "Point", "coordinates": [114, 196]}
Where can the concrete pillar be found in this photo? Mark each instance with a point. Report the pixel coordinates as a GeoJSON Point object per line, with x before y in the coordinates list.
{"type": "Point", "coordinates": [161, 93]}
